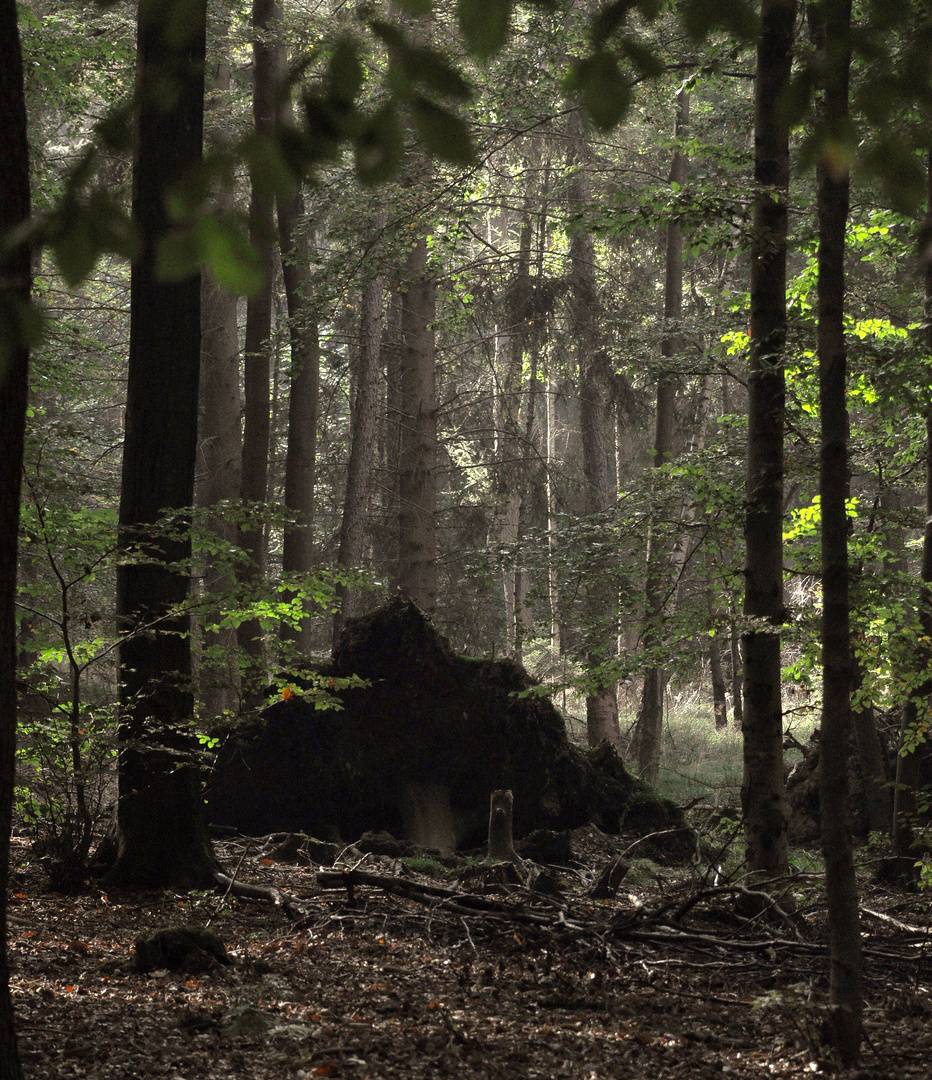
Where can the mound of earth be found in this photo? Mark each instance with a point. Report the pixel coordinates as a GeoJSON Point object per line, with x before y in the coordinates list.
{"type": "Point", "coordinates": [418, 751]}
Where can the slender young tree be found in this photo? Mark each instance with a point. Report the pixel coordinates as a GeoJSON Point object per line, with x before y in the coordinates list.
{"type": "Point", "coordinates": [161, 833]}
{"type": "Point", "coordinates": [762, 789]}
{"type": "Point", "coordinates": [831, 26]}
{"type": "Point", "coordinates": [15, 286]}
{"type": "Point", "coordinates": [650, 716]}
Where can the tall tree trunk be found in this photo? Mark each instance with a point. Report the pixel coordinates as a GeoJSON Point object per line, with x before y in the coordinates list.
{"type": "Point", "coordinates": [162, 836]}
{"type": "Point", "coordinates": [912, 748]}
{"type": "Point", "coordinates": [300, 460]}
{"type": "Point", "coordinates": [509, 435]}
{"type": "Point", "coordinates": [650, 715]}
{"type": "Point", "coordinates": [831, 29]}
{"type": "Point", "coordinates": [256, 351]}
{"type": "Point", "coordinates": [15, 286]}
{"type": "Point", "coordinates": [220, 451]}
{"type": "Point", "coordinates": [601, 630]}
{"type": "Point", "coordinates": [362, 438]}
{"type": "Point", "coordinates": [762, 791]}
{"type": "Point", "coordinates": [417, 473]}
{"type": "Point", "coordinates": [220, 447]}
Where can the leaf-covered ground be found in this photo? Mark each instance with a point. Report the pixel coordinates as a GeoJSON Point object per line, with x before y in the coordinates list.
{"type": "Point", "coordinates": [425, 985]}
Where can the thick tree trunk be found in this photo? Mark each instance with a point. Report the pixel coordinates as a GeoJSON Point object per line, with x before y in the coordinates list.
{"type": "Point", "coordinates": [908, 779]}
{"type": "Point", "coordinates": [362, 440]}
{"type": "Point", "coordinates": [762, 790]}
{"type": "Point", "coordinates": [601, 630]}
{"type": "Point", "coordinates": [257, 349]}
{"type": "Point", "coordinates": [832, 25]}
{"type": "Point", "coordinates": [162, 837]}
{"type": "Point", "coordinates": [300, 461]}
{"type": "Point", "coordinates": [15, 285]}
{"type": "Point", "coordinates": [417, 474]}
{"type": "Point", "coordinates": [650, 715]}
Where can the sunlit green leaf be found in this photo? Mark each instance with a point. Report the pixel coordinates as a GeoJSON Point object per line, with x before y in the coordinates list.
{"type": "Point", "coordinates": [231, 259]}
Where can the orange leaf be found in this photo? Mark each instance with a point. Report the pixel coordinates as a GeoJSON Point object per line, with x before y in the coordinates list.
{"type": "Point", "coordinates": [69, 989]}
{"type": "Point", "coordinates": [267, 862]}
{"type": "Point", "coordinates": [287, 693]}
{"type": "Point", "coordinates": [329, 1069]}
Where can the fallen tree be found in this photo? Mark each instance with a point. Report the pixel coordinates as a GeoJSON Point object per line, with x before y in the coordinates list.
{"type": "Point", "coordinates": [419, 750]}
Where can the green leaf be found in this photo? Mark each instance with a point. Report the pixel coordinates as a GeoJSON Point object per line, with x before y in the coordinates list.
{"type": "Point", "coordinates": [484, 25]}
{"type": "Point", "coordinates": [433, 70]}
{"type": "Point", "coordinates": [443, 133]}
{"type": "Point", "coordinates": [270, 172]}
{"type": "Point", "coordinates": [605, 92]}
{"type": "Point", "coordinates": [178, 255]}
{"type": "Point", "coordinates": [346, 71]}
{"type": "Point", "coordinates": [736, 17]}
{"type": "Point", "coordinates": [229, 256]}
{"type": "Point", "coordinates": [379, 147]}
{"type": "Point", "coordinates": [73, 248]}
{"type": "Point", "coordinates": [414, 7]}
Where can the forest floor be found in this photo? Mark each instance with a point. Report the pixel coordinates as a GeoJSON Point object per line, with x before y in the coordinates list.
{"type": "Point", "coordinates": [499, 981]}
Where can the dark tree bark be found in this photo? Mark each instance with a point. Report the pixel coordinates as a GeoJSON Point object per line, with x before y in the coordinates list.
{"type": "Point", "coordinates": [162, 838]}
{"type": "Point", "coordinates": [417, 479]}
{"type": "Point", "coordinates": [257, 346]}
{"type": "Point", "coordinates": [831, 29]}
{"type": "Point", "coordinates": [908, 779]}
{"type": "Point", "coordinates": [362, 424]}
{"type": "Point", "coordinates": [650, 715]}
{"type": "Point", "coordinates": [762, 790]}
{"type": "Point", "coordinates": [15, 285]}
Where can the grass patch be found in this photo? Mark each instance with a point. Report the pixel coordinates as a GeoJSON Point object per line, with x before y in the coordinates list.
{"type": "Point", "coordinates": [700, 760]}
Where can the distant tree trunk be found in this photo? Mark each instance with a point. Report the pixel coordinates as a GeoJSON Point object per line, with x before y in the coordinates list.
{"type": "Point", "coordinates": [300, 460]}
{"type": "Point", "coordinates": [161, 833]}
{"type": "Point", "coordinates": [220, 449]}
{"type": "Point", "coordinates": [362, 438]}
{"type": "Point", "coordinates": [601, 631]}
{"type": "Point", "coordinates": [15, 286]}
{"type": "Point", "coordinates": [295, 242]}
{"type": "Point", "coordinates": [509, 483]}
{"type": "Point", "coordinates": [737, 679]}
{"type": "Point", "coordinates": [762, 791]}
{"type": "Point", "coordinates": [831, 29]}
{"type": "Point", "coordinates": [719, 700]}
{"type": "Point", "coordinates": [553, 576]}
{"type": "Point", "coordinates": [257, 362]}
{"type": "Point", "coordinates": [417, 479]}
{"type": "Point", "coordinates": [650, 715]}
